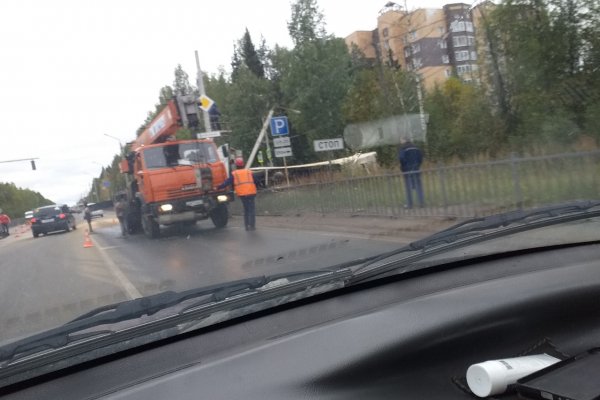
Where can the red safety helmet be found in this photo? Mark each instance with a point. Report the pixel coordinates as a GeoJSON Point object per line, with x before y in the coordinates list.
{"type": "Point", "coordinates": [239, 162]}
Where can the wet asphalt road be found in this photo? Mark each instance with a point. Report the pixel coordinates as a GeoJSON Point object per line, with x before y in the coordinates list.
{"type": "Point", "coordinates": [50, 280]}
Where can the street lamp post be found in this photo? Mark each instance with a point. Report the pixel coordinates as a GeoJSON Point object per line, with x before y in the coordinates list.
{"type": "Point", "coordinates": [118, 140]}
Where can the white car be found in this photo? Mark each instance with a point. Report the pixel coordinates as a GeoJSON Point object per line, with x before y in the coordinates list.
{"type": "Point", "coordinates": [96, 213]}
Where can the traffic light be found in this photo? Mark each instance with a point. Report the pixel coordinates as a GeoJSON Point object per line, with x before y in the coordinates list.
{"type": "Point", "coordinates": [33, 165]}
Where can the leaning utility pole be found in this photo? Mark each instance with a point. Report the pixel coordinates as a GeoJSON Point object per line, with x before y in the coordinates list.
{"type": "Point", "coordinates": [200, 84]}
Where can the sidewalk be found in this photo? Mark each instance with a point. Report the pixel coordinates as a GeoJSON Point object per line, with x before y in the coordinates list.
{"type": "Point", "coordinates": [403, 229]}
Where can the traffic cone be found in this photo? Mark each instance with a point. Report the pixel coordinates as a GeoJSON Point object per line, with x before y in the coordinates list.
{"type": "Point", "coordinates": [87, 242]}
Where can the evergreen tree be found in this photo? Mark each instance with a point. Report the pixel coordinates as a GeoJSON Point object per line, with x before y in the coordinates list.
{"type": "Point", "coordinates": [250, 56]}
{"type": "Point", "coordinates": [181, 84]}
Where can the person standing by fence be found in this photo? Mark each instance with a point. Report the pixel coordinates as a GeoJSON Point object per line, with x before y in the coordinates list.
{"type": "Point", "coordinates": [411, 157]}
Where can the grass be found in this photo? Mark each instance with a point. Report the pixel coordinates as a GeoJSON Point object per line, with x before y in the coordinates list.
{"type": "Point", "coordinates": [466, 190]}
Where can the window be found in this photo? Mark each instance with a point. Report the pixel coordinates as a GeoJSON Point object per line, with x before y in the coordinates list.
{"type": "Point", "coordinates": [469, 26]}
{"type": "Point", "coordinates": [386, 44]}
{"type": "Point", "coordinates": [462, 55]}
{"type": "Point", "coordinates": [443, 44]}
{"type": "Point", "coordinates": [405, 39]}
{"type": "Point", "coordinates": [463, 69]}
{"type": "Point", "coordinates": [473, 55]}
{"type": "Point", "coordinates": [445, 59]}
{"type": "Point", "coordinates": [459, 41]}
{"type": "Point", "coordinates": [457, 26]}
{"type": "Point", "coordinates": [470, 40]}
{"type": "Point", "coordinates": [416, 48]}
{"type": "Point", "coordinates": [386, 32]}
{"type": "Point", "coordinates": [441, 30]}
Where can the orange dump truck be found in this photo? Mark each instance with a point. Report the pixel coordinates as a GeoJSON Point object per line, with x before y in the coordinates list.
{"type": "Point", "coordinates": [172, 181]}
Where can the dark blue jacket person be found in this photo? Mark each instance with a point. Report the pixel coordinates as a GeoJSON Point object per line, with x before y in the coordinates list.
{"type": "Point", "coordinates": [411, 157]}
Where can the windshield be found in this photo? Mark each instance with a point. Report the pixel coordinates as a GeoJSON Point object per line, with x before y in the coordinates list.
{"type": "Point", "coordinates": [314, 135]}
{"type": "Point", "coordinates": [171, 154]}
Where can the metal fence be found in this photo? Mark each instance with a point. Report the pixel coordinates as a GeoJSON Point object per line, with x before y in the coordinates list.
{"type": "Point", "coordinates": [467, 190]}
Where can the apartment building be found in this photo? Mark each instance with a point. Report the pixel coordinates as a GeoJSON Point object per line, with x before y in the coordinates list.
{"type": "Point", "coordinates": [434, 42]}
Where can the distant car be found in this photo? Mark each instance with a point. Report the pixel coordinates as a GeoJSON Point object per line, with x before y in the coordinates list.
{"type": "Point", "coordinates": [52, 219]}
{"type": "Point", "coordinates": [96, 212]}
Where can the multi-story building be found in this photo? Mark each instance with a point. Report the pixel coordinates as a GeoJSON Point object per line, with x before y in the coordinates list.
{"type": "Point", "coordinates": [435, 43]}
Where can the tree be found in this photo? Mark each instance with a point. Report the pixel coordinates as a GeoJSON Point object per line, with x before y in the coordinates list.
{"type": "Point", "coordinates": [245, 106]}
{"type": "Point", "coordinates": [316, 80]}
{"type": "Point", "coordinates": [245, 55]}
{"type": "Point", "coordinates": [14, 201]}
{"type": "Point", "coordinates": [264, 55]}
{"type": "Point", "coordinates": [461, 122]}
{"type": "Point", "coordinates": [243, 103]}
{"type": "Point", "coordinates": [307, 23]}
{"type": "Point", "coordinates": [181, 84]}
{"type": "Point", "coordinates": [236, 62]}
{"type": "Point", "coordinates": [251, 57]}
{"type": "Point", "coordinates": [542, 49]}
{"type": "Point", "coordinates": [166, 94]}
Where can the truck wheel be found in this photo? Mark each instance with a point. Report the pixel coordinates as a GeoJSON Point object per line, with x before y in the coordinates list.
{"type": "Point", "coordinates": [151, 227]}
{"type": "Point", "coordinates": [220, 216]}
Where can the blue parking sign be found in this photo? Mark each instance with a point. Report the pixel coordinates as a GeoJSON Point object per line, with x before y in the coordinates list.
{"type": "Point", "coordinates": [279, 126]}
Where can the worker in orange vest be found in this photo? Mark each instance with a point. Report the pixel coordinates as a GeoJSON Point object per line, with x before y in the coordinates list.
{"type": "Point", "coordinates": [244, 186]}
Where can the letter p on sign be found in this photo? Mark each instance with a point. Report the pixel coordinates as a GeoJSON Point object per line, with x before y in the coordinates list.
{"type": "Point", "coordinates": [279, 126]}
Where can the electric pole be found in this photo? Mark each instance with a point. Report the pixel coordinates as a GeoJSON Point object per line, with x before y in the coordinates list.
{"type": "Point", "coordinates": [200, 84]}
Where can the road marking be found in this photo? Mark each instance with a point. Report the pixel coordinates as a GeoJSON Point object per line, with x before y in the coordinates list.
{"type": "Point", "coordinates": [128, 287]}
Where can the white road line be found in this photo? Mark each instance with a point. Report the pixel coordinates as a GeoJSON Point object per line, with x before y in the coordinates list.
{"type": "Point", "coordinates": [128, 287]}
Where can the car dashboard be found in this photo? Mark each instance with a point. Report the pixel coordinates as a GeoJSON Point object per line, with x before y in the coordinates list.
{"type": "Point", "coordinates": [408, 337]}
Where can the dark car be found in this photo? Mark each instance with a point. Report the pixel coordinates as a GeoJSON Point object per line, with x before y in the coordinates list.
{"type": "Point", "coordinates": [51, 219]}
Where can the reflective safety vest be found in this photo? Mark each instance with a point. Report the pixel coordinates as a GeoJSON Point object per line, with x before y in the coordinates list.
{"type": "Point", "coordinates": [243, 182]}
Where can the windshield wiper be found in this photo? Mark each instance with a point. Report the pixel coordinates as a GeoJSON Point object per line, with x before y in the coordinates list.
{"type": "Point", "coordinates": [475, 231]}
{"type": "Point", "coordinates": [220, 297]}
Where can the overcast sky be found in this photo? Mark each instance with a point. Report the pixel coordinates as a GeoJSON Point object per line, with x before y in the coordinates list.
{"type": "Point", "coordinates": [74, 70]}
